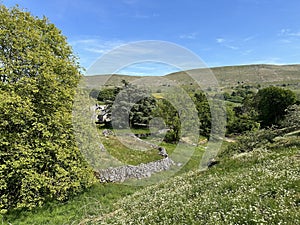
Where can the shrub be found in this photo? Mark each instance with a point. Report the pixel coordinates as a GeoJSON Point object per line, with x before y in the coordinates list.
{"type": "Point", "coordinates": [250, 141]}
{"type": "Point", "coordinates": [291, 121]}
{"type": "Point", "coordinates": [271, 103]}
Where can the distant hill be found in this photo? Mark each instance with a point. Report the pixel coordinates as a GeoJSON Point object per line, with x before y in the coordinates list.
{"type": "Point", "coordinates": [226, 76]}
{"type": "Point", "coordinates": [108, 80]}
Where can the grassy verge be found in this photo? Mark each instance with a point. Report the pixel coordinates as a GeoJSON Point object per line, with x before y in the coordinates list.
{"type": "Point", "coordinates": [99, 199]}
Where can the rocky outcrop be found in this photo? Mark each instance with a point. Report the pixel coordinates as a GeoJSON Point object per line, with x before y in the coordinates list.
{"type": "Point", "coordinates": [122, 173]}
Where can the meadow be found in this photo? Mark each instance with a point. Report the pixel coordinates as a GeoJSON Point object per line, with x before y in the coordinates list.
{"type": "Point", "coordinates": [258, 187]}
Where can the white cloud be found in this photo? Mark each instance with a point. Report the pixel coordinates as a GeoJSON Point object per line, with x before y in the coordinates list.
{"type": "Point", "coordinates": [141, 16]}
{"type": "Point", "coordinates": [289, 33]}
{"type": "Point", "coordinates": [93, 50]}
{"type": "Point", "coordinates": [148, 69]}
{"type": "Point", "coordinates": [89, 49]}
{"type": "Point", "coordinates": [95, 45]}
{"type": "Point", "coordinates": [232, 47]}
{"type": "Point", "coordinates": [246, 39]}
{"type": "Point", "coordinates": [289, 37]}
{"type": "Point", "coordinates": [146, 51]}
{"type": "Point", "coordinates": [220, 40]}
{"type": "Point", "coordinates": [227, 43]}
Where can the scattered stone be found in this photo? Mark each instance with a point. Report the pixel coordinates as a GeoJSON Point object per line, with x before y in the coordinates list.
{"type": "Point", "coordinates": [107, 132]}
{"type": "Point", "coordinates": [212, 162]}
{"type": "Point", "coordinates": [102, 148]}
{"type": "Point", "coordinates": [163, 152]}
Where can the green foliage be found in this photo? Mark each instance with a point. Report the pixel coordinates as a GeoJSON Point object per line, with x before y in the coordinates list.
{"type": "Point", "coordinates": [170, 115]}
{"type": "Point", "coordinates": [239, 120]}
{"type": "Point", "coordinates": [94, 93]}
{"type": "Point", "coordinates": [133, 106]}
{"type": "Point", "coordinates": [291, 120]}
{"type": "Point", "coordinates": [38, 75]}
{"type": "Point", "coordinates": [204, 114]}
{"type": "Point", "coordinates": [239, 94]}
{"type": "Point", "coordinates": [250, 141]}
{"type": "Point", "coordinates": [108, 94]}
{"type": "Point", "coordinates": [242, 124]}
{"type": "Point", "coordinates": [271, 103]}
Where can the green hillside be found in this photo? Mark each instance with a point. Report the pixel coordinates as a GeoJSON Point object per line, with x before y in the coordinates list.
{"type": "Point", "coordinates": [108, 80]}
{"type": "Point", "coordinates": [226, 76]}
{"type": "Point", "coordinates": [261, 187]}
{"type": "Point", "coordinates": [258, 187]}
{"type": "Point", "coordinates": [255, 180]}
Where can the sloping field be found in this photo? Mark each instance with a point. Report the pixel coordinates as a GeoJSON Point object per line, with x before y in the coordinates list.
{"type": "Point", "coordinates": [226, 76]}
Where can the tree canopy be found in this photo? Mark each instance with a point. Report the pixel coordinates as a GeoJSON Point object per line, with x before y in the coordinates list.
{"type": "Point", "coordinates": [271, 103]}
{"type": "Point", "coordinates": [39, 158]}
{"type": "Point", "coordinates": [132, 107]}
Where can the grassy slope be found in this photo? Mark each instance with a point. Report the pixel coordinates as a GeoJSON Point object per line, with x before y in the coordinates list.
{"type": "Point", "coordinates": [258, 187]}
{"type": "Point", "coordinates": [100, 198]}
{"type": "Point", "coordinates": [227, 76]}
{"type": "Point", "coordinates": [261, 187]}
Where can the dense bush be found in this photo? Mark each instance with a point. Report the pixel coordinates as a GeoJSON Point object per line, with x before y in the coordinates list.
{"type": "Point", "coordinates": [251, 140]}
{"type": "Point", "coordinates": [291, 121]}
{"type": "Point", "coordinates": [39, 160]}
{"type": "Point", "coordinates": [271, 103]}
{"type": "Point", "coordinates": [240, 120]}
{"type": "Point", "coordinates": [108, 94]}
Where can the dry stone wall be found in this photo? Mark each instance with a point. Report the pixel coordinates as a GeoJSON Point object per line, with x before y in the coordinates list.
{"type": "Point", "coordinates": [143, 170]}
{"type": "Point", "coordinates": [122, 173]}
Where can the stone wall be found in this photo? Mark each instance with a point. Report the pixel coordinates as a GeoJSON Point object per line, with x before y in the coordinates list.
{"type": "Point", "coordinates": [143, 170]}
{"type": "Point", "coordinates": [122, 173]}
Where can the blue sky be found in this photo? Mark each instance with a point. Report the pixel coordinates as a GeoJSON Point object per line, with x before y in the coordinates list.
{"type": "Point", "coordinates": [221, 32]}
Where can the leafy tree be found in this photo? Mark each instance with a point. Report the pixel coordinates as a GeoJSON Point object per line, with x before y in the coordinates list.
{"type": "Point", "coordinates": [38, 75]}
{"type": "Point", "coordinates": [239, 94]}
{"type": "Point", "coordinates": [133, 106]}
{"type": "Point", "coordinates": [170, 115]}
{"type": "Point", "coordinates": [142, 112]}
{"type": "Point", "coordinates": [94, 93]}
{"type": "Point", "coordinates": [240, 120]}
{"type": "Point", "coordinates": [108, 94]}
{"type": "Point", "coordinates": [271, 103]}
{"type": "Point", "coordinates": [204, 114]}
{"type": "Point", "coordinates": [180, 116]}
